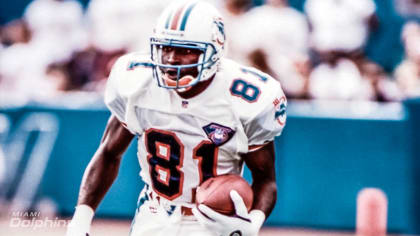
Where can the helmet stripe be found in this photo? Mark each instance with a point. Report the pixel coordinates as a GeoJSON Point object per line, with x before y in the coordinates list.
{"type": "Point", "coordinates": [186, 15]}
{"type": "Point", "coordinates": [176, 17]}
{"type": "Point", "coordinates": [168, 20]}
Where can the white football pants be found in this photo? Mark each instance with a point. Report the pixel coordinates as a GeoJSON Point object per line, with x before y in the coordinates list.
{"type": "Point", "coordinates": [156, 216]}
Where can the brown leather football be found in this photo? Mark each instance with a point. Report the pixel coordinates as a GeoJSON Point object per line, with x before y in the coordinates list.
{"type": "Point", "coordinates": [214, 193]}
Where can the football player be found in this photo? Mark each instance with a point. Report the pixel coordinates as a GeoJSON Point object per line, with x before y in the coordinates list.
{"type": "Point", "coordinates": [196, 115]}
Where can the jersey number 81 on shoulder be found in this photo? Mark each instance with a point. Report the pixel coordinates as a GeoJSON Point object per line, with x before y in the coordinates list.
{"type": "Point", "coordinates": [244, 90]}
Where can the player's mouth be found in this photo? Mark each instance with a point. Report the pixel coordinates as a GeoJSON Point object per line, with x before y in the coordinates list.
{"type": "Point", "coordinates": [171, 74]}
{"type": "Point", "coordinates": [170, 77]}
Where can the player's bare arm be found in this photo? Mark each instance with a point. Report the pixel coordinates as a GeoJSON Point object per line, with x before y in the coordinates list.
{"type": "Point", "coordinates": [103, 168]}
{"type": "Point", "coordinates": [262, 167]}
{"type": "Point", "coordinates": [99, 175]}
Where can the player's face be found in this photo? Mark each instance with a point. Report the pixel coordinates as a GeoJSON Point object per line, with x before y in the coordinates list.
{"type": "Point", "coordinates": [179, 56]}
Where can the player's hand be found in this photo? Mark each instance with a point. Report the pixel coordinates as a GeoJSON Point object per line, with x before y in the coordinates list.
{"type": "Point", "coordinates": [80, 224]}
{"type": "Point", "coordinates": [241, 224]}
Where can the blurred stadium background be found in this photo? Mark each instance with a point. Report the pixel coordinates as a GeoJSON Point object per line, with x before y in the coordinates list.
{"type": "Point", "coordinates": [350, 68]}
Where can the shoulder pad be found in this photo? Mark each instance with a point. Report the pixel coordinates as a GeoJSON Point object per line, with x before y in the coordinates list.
{"type": "Point", "coordinates": [252, 90]}
{"type": "Point", "coordinates": [130, 75]}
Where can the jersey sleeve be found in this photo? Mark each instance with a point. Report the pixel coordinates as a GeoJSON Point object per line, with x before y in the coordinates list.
{"type": "Point", "coordinates": [258, 101]}
{"type": "Point", "coordinates": [269, 122]}
{"type": "Point", "coordinates": [116, 102]}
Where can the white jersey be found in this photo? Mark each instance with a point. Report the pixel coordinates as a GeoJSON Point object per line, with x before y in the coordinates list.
{"type": "Point", "coordinates": [182, 142]}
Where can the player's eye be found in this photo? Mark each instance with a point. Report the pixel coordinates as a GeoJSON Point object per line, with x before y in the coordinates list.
{"type": "Point", "coordinates": [184, 51]}
{"type": "Point", "coordinates": [190, 51]}
{"type": "Point", "coordinates": [166, 49]}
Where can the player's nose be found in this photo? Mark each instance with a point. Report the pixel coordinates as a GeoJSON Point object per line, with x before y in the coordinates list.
{"type": "Point", "coordinates": [173, 57]}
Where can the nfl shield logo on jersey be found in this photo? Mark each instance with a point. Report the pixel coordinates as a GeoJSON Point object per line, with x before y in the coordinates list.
{"type": "Point", "coordinates": [218, 134]}
{"type": "Point", "coordinates": [185, 104]}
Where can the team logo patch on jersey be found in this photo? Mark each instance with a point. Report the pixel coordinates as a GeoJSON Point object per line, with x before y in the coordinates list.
{"type": "Point", "coordinates": [280, 110]}
{"type": "Point", "coordinates": [218, 134]}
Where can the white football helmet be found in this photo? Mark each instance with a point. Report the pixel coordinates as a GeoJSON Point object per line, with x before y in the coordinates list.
{"type": "Point", "coordinates": [194, 25]}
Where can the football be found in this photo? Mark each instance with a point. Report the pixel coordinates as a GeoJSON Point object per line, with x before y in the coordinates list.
{"type": "Point", "coordinates": [214, 193]}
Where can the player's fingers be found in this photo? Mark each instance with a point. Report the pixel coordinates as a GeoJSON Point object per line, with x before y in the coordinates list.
{"type": "Point", "coordinates": [211, 213]}
{"type": "Point", "coordinates": [239, 204]}
{"type": "Point", "coordinates": [202, 219]}
{"type": "Point", "coordinates": [197, 214]}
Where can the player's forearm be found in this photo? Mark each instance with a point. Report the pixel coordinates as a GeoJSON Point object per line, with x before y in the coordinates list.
{"type": "Point", "coordinates": [99, 175]}
{"type": "Point", "coordinates": [262, 166]}
{"type": "Point", "coordinates": [98, 178]}
{"type": "Point", "coordinates": [265, 195]}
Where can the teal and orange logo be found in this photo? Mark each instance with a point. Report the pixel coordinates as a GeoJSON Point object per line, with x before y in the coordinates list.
{"type": "Point", "coordinates": [280, 105]}
{"type": "Point", "coordinates": [220, 35]}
